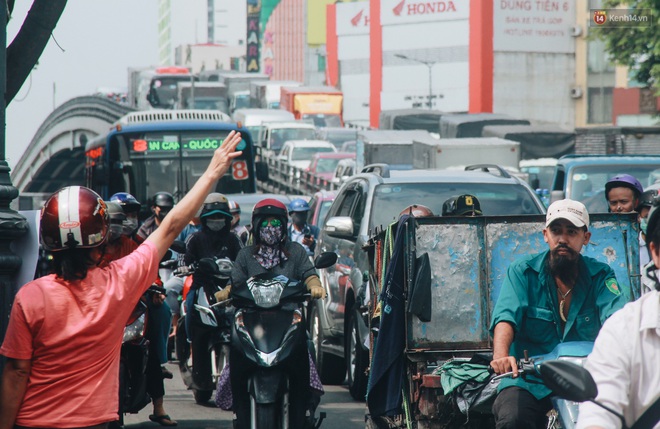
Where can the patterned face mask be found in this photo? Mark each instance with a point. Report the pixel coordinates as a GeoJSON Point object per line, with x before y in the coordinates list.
{"type": "Point", "coordinates": [270, 235]}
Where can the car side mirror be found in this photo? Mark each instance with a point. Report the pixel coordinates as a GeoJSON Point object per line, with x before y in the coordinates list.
{"type": "Point", "coordinates": [340, 227]}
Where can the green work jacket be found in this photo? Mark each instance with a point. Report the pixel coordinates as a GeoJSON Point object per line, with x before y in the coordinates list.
{"type": "Point", "coordinates": [528, 301]}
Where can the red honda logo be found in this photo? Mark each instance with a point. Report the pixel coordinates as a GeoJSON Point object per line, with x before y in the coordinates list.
{"type": "Point", "coordinates": [398, 8]}
{"type": "Point", "coordinates": [356, 19]}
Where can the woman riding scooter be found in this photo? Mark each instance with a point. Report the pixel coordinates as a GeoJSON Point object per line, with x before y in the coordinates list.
{"type": "Point", "coordinates": [272, 252]}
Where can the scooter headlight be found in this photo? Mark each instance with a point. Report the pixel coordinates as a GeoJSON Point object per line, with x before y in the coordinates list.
{"type": "Point", "coordinates": [267, 294]}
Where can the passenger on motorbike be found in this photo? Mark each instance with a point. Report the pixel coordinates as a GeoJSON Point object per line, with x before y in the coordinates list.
{"type": "Point", "coordinates": [299, 230]}
{"type": "Point", "coordinates": [273, 252]}
{"type": "Point", "coordinates": [65, 331]}
{"type": "Point", "coordinates": [624, 360]}
{"type": "Point", "coordinates": [162, 204]}
{"type": "Point", "coordinates": [551, 297]}
{"type": "Point", "coordinates": [118, 246]}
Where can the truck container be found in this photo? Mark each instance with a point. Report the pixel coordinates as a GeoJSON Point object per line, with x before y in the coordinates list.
{"type": "Point", "coordinates": [411, 119]}
{"type": "Point", "coordinates": [387, 147]}
{"type": "Point", "coordinates": [202, 95]}
{"type": "Point", "coordinates": [472, 124]}
{"type": "Point", "coordinates": [322, 104]}
{"type": "Point", "coordinates": [266, 94]}
{"type": "Point", "coordinates": [432, 153]}
{"type": "Point", "coordinates": [536, 141]}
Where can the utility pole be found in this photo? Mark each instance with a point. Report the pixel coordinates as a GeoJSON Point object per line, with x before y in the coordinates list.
{"type": "Point", "coordinates": [428, 64]}
{"type": "Point", "coordinates": [12, 224]}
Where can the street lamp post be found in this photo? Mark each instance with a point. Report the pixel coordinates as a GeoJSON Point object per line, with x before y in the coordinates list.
{"type": "Point", "coordinates": [428, 64]}
{"type": "Point", "coordinates": [12, 224]}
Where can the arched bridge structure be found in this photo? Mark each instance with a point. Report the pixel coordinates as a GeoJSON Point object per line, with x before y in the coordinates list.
{"type": "Point", "coordinates": [56, 155]}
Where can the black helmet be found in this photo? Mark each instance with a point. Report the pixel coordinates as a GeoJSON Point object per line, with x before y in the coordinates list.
{"type": "Point", "coordinates": [462, 205]}
{"type": "Point", "coordinates": [163, 199]}
{"type": "Point", "coordinates": [647, 198]}
{"type": "Point", "coordinates": [127, 202]}
{"type": "Point", "coordinates": [216, 203]}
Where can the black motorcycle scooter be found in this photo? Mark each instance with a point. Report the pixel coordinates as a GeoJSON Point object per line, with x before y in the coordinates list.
{"type": "Point", "coordinates": [269, 325]}
{"type": "Point", "coordinates": [202, 359]}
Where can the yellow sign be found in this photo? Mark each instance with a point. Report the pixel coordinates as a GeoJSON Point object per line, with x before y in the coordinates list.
{"type": "Point", "coordinates": [318, 103]}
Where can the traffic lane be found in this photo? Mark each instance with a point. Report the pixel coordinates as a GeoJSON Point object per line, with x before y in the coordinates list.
{"type": "Point", "coordinates": [342, 411]}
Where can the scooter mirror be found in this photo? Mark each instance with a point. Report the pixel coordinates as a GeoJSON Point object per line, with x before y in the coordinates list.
{"type": "Point", "coordinates": [325, 260]}
{"type": "Point", "coordinates": [568, 380]}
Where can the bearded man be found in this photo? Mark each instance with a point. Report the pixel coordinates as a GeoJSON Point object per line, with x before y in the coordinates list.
{"type": "Point", "coordinates": [551, 297]}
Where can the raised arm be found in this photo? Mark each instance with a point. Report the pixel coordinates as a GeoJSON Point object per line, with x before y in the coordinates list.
{"type": "Point", "coordinates": [184, 211]}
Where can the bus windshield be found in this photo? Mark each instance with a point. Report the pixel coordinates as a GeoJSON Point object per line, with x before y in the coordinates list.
{"type": "Point", "coordinates": [144, 163]}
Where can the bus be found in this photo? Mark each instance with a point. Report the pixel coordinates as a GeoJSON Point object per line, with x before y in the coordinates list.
{"type": "Point", "coordinates": [167, 150]}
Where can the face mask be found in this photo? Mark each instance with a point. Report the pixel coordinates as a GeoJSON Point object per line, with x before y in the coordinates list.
{"type": "Point", "coordinates": [115, 231]}
{"type": "Point", "coordinates": [298, 219]}
{"type": "Point", "coordinates": [215, 224]}
{"type": "Point", "coordinates": [644, 224]}
{"type": "Point", "coordinates": [270, 235]}
{"type": "Point", "coordinates": [129, 226]}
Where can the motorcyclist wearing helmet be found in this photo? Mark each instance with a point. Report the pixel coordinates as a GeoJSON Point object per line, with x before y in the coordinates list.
{"type": "Point", "coordinates": [66, 328]}
{"type": "Point", "coordinates": [241, 231]}
{"type": "Point", "coordinates": [163, 202]}
{"type": "Point", "coordinates": [121, 244]}
{"type": "Point", "coordinates": [624, 360]}
{"type": "Point", "coordinates": [131, 208]}
{"type": "Point", "coordinates": [273, 252]}
{"type": "Point", "coordinates": [299, 230]}
{"type": "Point", "coordinates": [643, 208]}
{"type": "Point", "coordinates": [622, 193]}
{"type": "Point", "coordinates": [215, 240]}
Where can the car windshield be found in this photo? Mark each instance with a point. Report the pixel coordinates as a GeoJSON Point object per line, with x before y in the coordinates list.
{"type": "Point", "coordinates": [495, 199]}
{"type": "Point", "coordinates": [587, 183]}
{"type": "Point", "coordinates": [539, 176]}
{"type": "Point", "coordinates": [327, 165]}
{"type": "Point", "coordinates": [279, 136]}
{"type": "Point", "coordinates": [323, 120]}
{"type": "Point", "coordinates": [306, 153]}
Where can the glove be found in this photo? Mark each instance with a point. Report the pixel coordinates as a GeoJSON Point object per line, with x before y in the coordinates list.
{"type": "Point", "coordinates": [314, 287]}
{"type": "Point", "coordinates": [222, 295]}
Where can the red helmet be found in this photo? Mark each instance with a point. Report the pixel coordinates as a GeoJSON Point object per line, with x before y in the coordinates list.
{"type": "Point", "coordinates": [269, 207]}
{"type": "Point", "coordinates": [74, 217]}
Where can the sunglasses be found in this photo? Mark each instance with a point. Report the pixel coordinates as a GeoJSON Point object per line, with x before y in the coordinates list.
{"type": "Point", "coordinates": [273, 222]}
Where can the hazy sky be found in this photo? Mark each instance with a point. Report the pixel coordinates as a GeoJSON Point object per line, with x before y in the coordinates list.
{"type": "Point", "coordinates": [98, 40]}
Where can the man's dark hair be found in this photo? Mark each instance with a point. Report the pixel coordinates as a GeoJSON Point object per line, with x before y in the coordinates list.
{"type": "Point", "coordinates": [72, 264]}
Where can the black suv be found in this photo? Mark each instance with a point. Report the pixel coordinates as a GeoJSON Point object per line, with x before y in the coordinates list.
{"type": "Point", "coordinates": [375, 198]}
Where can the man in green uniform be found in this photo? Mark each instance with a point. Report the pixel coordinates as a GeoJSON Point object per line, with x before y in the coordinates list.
{"type": "Point", "coordinates": [551, 297]}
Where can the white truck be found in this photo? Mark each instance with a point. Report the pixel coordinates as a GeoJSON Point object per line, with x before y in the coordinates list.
{"type": "Point", "coordinates": [273, 135]}
{"type": "Point", "coordinates": [266, 94]}
{"type": "Point", "coordinates": [202, 95]}
{"type": "Point", "coordinates": [432, 153]}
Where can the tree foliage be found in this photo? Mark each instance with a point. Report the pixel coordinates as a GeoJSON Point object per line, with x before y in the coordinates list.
{"type": "Point", "coordinates": [636, 46]}
{"type": "Point", "coordinates": [30, 42]}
